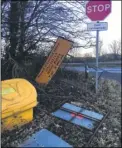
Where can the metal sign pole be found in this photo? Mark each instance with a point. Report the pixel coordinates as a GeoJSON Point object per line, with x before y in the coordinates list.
{"type": "Point", "coordinates": [97, 54]}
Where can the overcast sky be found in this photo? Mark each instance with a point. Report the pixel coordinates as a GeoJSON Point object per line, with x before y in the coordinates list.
{"type": "Point", "coordinates": [114, 26]}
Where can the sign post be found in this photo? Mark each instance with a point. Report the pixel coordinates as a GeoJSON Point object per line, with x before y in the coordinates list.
{"type": "Point", "coordinates": [98, 10]}
{"type": "Point", "coordinates": [97, 54]}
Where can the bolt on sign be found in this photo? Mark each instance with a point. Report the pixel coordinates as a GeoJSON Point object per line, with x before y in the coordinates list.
{"type": "Point", "coordinates": [59, 51]}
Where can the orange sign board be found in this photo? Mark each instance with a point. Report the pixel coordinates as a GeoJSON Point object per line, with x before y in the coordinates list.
{"type": "Point", "coordinates": [59, 51]}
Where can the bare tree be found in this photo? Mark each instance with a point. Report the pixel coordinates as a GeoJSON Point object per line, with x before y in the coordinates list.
{"type": "Point", "coordinates": [87, 55]}
{"type": "Point", "coordinates": [33, 26]}
{"type": "Point", "coordinates": [115, 47]}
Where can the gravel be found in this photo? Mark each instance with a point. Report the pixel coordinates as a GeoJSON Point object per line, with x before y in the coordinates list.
{"type": "Point", "coordinates": [72, 88]}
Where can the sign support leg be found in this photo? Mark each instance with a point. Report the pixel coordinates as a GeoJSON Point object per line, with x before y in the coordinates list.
{"type": "Point", "coordinates": [97, 54]}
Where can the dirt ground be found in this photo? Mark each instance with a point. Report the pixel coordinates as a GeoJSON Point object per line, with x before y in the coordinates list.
{"type": "Point", "coordinates": [73, 88]}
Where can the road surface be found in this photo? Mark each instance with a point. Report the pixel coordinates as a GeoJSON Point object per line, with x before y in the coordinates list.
{"type": "Point", "coordinates": [107, 73]}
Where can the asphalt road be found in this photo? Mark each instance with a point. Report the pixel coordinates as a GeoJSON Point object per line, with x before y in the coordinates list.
{"type": "Point", "coordinates": [108, 73]}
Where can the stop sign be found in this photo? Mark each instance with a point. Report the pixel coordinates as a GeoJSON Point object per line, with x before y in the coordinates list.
{"type": "Point", "coordinates": [98, 10]}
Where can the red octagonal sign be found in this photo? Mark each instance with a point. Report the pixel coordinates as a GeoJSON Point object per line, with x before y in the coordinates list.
{"type": "Point", "coordinates": [98, 10]}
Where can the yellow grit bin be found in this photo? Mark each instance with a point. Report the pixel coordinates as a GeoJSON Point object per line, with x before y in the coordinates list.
{"type": "Point", "coordinates": [19, 97]}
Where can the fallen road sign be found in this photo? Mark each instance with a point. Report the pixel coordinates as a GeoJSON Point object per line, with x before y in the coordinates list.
{"type": "Point", "coordinates": [45, 138]}
{"type": "Point", "coordinates": [79, 116]}
{"type": "Point", "coordinates": [101, 26]}
{"type": "Point", "coordinates": [60, 49]}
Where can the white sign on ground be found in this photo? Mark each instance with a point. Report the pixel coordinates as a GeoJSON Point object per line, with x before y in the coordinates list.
{"type": "Point", "coordinates": [101, 26]}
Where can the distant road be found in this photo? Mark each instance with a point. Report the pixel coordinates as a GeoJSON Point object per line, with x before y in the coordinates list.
{"type": "Point", "coordinates": [116, 62]}
{"type": "Point", "coordinates": [112, 76]}
{"type": "Point", "coordinates": [109, 73]}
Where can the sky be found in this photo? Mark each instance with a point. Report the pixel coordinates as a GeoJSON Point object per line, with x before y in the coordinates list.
{"type": "Point", "coordinates": [114, 26]}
